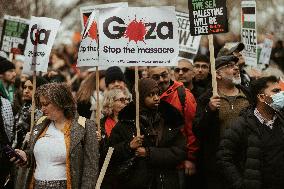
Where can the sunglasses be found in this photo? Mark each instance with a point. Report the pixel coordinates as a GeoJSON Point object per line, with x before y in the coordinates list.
{"type": "Point", "coordinates": [184, 70]}
{"type": "Point", "coordinates": [157, 77]}
{"type": "Point", "coordinates": [123, 99]}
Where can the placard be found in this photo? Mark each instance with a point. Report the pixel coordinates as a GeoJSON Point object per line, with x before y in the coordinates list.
{"type": "Point", "coordinates": [14, 35]}
{"type": "Point", "coordinates": [248, 32]}
{"type": "Point", "coordinates": [188, 45]}
{"type": "Point", "coordinates": [207, 17]}
{"type": "Point", "coordinates": [265, 53]}
{"type": "Point", "coordinates": [41, 36]}
{"type": "Point", "coordinates": [138, 36]}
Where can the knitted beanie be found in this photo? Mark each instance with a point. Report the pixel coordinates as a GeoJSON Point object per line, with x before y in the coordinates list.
{"type": "Point", "coordinates": [5, 65]}
{"type": "Point", "coordinates": [112, 74]}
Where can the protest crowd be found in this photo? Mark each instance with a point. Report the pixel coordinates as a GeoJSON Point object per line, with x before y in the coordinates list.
{"type": "Point", "coordinates": [58, 126]}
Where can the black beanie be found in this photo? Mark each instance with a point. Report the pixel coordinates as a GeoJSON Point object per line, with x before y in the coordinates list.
{"type": "Point", "coordinates": [5, 65]}
{"type": "Point", "coordinates": [39, 80]}
{"type": "Point", "coordinates": [112, 74]}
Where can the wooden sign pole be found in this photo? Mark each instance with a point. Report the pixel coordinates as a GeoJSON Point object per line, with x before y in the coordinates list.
{"type": "Point", "coordinates": [137, 100]}
{"type": "Point", "coordinates": [33, 102]}
{"type": "Point", "coordinates": [212, 61]}
{"type": "Point", "coordinates": [98, 112]}
{"type": "Point", "coordinates": [104, 168]}
{"type": "Point", "coordinates": [33, 67]}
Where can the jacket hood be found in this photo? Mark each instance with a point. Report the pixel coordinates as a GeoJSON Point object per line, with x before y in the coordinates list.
{"type": "Point", "coordinates": [169, 113]}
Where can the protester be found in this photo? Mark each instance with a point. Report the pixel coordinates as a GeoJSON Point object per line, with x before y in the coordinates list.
{"type": "Point", "coordinates": [7, 79]}
{"type": "Point", "coordinates": [6, 137]}
{"type": "Point", "coordinates": [129, 74]}
{"type": "Point", "coordinates": [251, 153]}
{"type": "Point", "coordinates": [114, 78]}
{"type": "Point", "coordinates": [178, 96]}
{"type": "Point", "coordinates": [277, 54]}
{"type": "Point", "coordinates": [23, 118]}
{"type": "Point", "coordinates": [19, 63]}
{"type": "Point", "coordinates": [114, 101]}
{"type": "Point", "coordinates": [237, 52]}
{"type": "Point", "coordinates": [184, 73]}
{"type": "Point", "coordinates": [202, 78]}
{"type": "Point", "coordinates": [54, 76]}
{"type": "Point", "coordinates": [63, 150]}
{"type": "Point", "coordinates": [149, 160]}
{"type": "Point", "coordinates": [23, 123]}
{"type": "Point", "coordinates": [87, 96]}
{"type": "Point", "coordinates": [215, 112]}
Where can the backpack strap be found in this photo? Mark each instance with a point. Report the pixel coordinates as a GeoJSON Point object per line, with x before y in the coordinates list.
{"type": "Point", "coordinates": [181, 96]}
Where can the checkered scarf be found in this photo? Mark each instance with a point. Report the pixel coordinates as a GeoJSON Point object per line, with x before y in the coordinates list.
{"type": "Point", "coordinates": [8, 117]}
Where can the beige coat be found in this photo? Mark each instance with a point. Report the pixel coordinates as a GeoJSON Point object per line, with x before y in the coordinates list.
{"type": "Point", "coordinates": [84, 154]}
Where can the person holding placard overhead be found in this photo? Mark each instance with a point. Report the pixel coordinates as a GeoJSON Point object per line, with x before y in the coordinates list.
{"type": "Point", "coordinates": [63, 151]}
{"type": "Point", "coordinates": [215, 112]}
{"type": "Point", "coordinates": [148, 161]}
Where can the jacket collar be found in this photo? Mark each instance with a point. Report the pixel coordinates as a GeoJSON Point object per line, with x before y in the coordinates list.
{"type": "Point", "coordinates": [77, 132]}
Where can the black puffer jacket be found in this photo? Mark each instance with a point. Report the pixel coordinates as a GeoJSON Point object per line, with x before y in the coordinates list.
{"type": "Point", "coordinates": [206, 127]}
{"type": "Point", "coordinates": [162, 136]}
{"type": "Point", "coordinates": [240, 154]}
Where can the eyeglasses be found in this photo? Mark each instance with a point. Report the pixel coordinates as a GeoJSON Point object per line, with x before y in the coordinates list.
{"type": "Point", "coordinates": [156, 77]}
{"type": "Point", "coordinates": [123, 99]}
{"type": "Point", "coordinates": [203, 67]}
{"type": "Point", "coordinates": [184, 70]}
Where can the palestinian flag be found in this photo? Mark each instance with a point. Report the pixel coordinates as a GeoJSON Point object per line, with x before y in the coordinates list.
{"type": "Point", "coordinates": [248, 17]}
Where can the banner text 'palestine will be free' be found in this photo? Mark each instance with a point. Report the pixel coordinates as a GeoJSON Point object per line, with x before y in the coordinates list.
{"type": "Point", "coordinates": [208, 17]}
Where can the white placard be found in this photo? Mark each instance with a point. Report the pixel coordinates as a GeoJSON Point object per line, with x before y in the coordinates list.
{"type": "Point", "coordinates": [248, 32]}
{"type": "Point", "coordinates": [39, 50]}
{"type": "Point", "coordinates": [138, 36]}
{"type": "Point", "coordinates": [266, 51]}
{"type": "Point", "coordinates": [88, 50]}
{"type": "Point", "coordinates": [187, 43]}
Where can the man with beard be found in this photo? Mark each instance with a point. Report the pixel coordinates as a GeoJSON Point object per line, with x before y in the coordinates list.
{"type": "Point", "coordinates": [7, 79]}
{"type": "Point", "coordinates": [181, 98]}
{"type": "Point", "coordinates": [236, 50]}
{"type": "Point", "coordinates": [215, 112]}
{"type": "Point", "coordinates": [184, 73]}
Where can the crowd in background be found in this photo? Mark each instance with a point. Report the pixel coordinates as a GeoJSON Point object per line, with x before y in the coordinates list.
{"type": "Point", "coordinates": [183, 124]}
